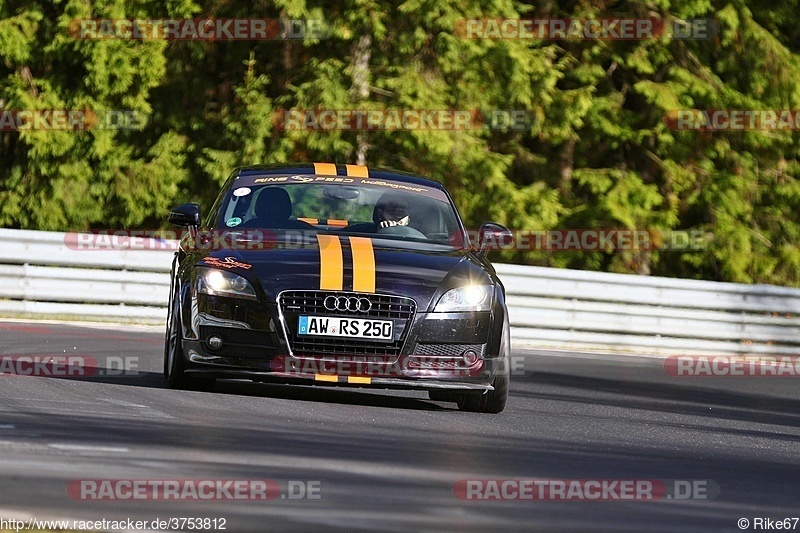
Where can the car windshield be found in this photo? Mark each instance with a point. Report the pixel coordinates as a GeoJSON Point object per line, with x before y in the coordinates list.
{"type": "Point", "coordinates": [391, 210]}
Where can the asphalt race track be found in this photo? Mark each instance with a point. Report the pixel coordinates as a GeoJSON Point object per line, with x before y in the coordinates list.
{"type": "Point", "coordinates": [384, 460]}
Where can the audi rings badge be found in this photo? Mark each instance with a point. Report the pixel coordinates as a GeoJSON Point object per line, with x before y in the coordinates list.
{"type": "Point", "coordinates": [352, 304]}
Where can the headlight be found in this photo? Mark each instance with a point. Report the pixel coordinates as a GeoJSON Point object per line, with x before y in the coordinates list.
{"type": "Point", "coordinates": [467, 298]}
{"type": "Point", "coordinates": [222, 283]}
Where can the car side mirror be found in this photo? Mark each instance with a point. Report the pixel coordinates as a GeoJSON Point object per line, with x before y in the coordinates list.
{"type": "Point", "coordinates": [493, 236]}
{"type": "Point", "coordinates": [185, 215]}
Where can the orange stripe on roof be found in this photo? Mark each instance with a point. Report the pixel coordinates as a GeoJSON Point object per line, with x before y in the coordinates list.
{"type": "Point", "coordinates": [357, 171]}
{"type": "Point", "coordinates": [325, 169]}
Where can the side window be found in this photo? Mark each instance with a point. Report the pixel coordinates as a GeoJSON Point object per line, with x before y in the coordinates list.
{"type": "Point", "coordinates": [239, 207]}
{"type": "Point", "coordinates": [212, 218]}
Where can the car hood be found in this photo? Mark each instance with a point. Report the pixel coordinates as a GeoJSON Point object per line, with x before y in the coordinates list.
{"type": "Point", "coordinates": [418, 270]}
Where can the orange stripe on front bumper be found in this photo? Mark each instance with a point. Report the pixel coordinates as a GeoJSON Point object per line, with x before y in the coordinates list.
{"type": "Point", "coordinates": [359, 379]}
{"type": "Point", "coordinates": [357, 171]}
{"type": "Point", "coordinates": [326, 377]}
{"type": "Point", "coordinates": [325, 169]}
{"type": "Point", "coordinates": [363, 264]}
{"type": "Point", "coordinates": [331, 263]}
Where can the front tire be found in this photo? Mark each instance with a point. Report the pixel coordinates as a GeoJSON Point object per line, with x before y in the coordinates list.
{"type": "Point", "coordinates": [493, 401]}
{"type": "Point", "coordinates": [490, 402]}
{"type": "Point", "coordinates": [174, 363]}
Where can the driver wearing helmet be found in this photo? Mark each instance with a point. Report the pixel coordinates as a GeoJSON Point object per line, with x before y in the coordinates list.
{"type": "Point", "coordinates": [391, 210]}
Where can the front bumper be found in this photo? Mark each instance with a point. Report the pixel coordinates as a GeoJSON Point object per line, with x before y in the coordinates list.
{"type": "Point", "coordinates": [339, 381]}
{"type": "Point", "coordinates": [429, 355]}
{"type": "Point", "coordinates": [412, 371]}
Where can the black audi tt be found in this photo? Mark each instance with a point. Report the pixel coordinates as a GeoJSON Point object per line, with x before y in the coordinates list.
{"type": "Point", "coordinates": [337, 275]}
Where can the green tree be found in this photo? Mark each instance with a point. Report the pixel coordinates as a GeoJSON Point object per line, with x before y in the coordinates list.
{"type": "Point", "coordinates": [76, 179]}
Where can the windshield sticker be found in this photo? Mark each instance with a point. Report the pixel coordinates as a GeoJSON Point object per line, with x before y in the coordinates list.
{"type": "Point", "coordinates": [228, 262]}
{"type": "Point", "coordinates": [379, 183]}
{"type": "Point", "coordinates": [232, 222]}
{"type": "Point", "coordinates": [393, 185]}
{"type": "Point", "coordinates": [242, 191]}
{"type": "Point", "coordinates": [304, 179]}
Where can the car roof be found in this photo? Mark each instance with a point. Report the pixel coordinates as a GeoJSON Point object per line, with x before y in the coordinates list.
{"type": "Point", "coordinates": [341, 170]}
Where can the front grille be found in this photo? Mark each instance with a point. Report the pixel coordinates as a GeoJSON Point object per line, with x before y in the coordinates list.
{"type": "Point", "coordinates": [313, 303]}
{"type": "Point", "coordinates": [447, 349]}
{"type": "Point", "coordinates": [296, 303]}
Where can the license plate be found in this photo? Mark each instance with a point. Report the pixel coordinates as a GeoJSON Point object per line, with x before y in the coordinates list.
{"type": "Point", "coordinates": [356, 328]}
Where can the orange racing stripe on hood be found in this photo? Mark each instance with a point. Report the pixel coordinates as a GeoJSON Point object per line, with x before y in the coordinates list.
{"type": "Point", "coordinates": [331, 263]}
{"type": "Point", "coordinates": [363, 264]}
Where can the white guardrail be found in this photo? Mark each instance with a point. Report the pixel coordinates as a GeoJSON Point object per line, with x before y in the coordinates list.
{"type": "Point", "coordinates": [549, 308]}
